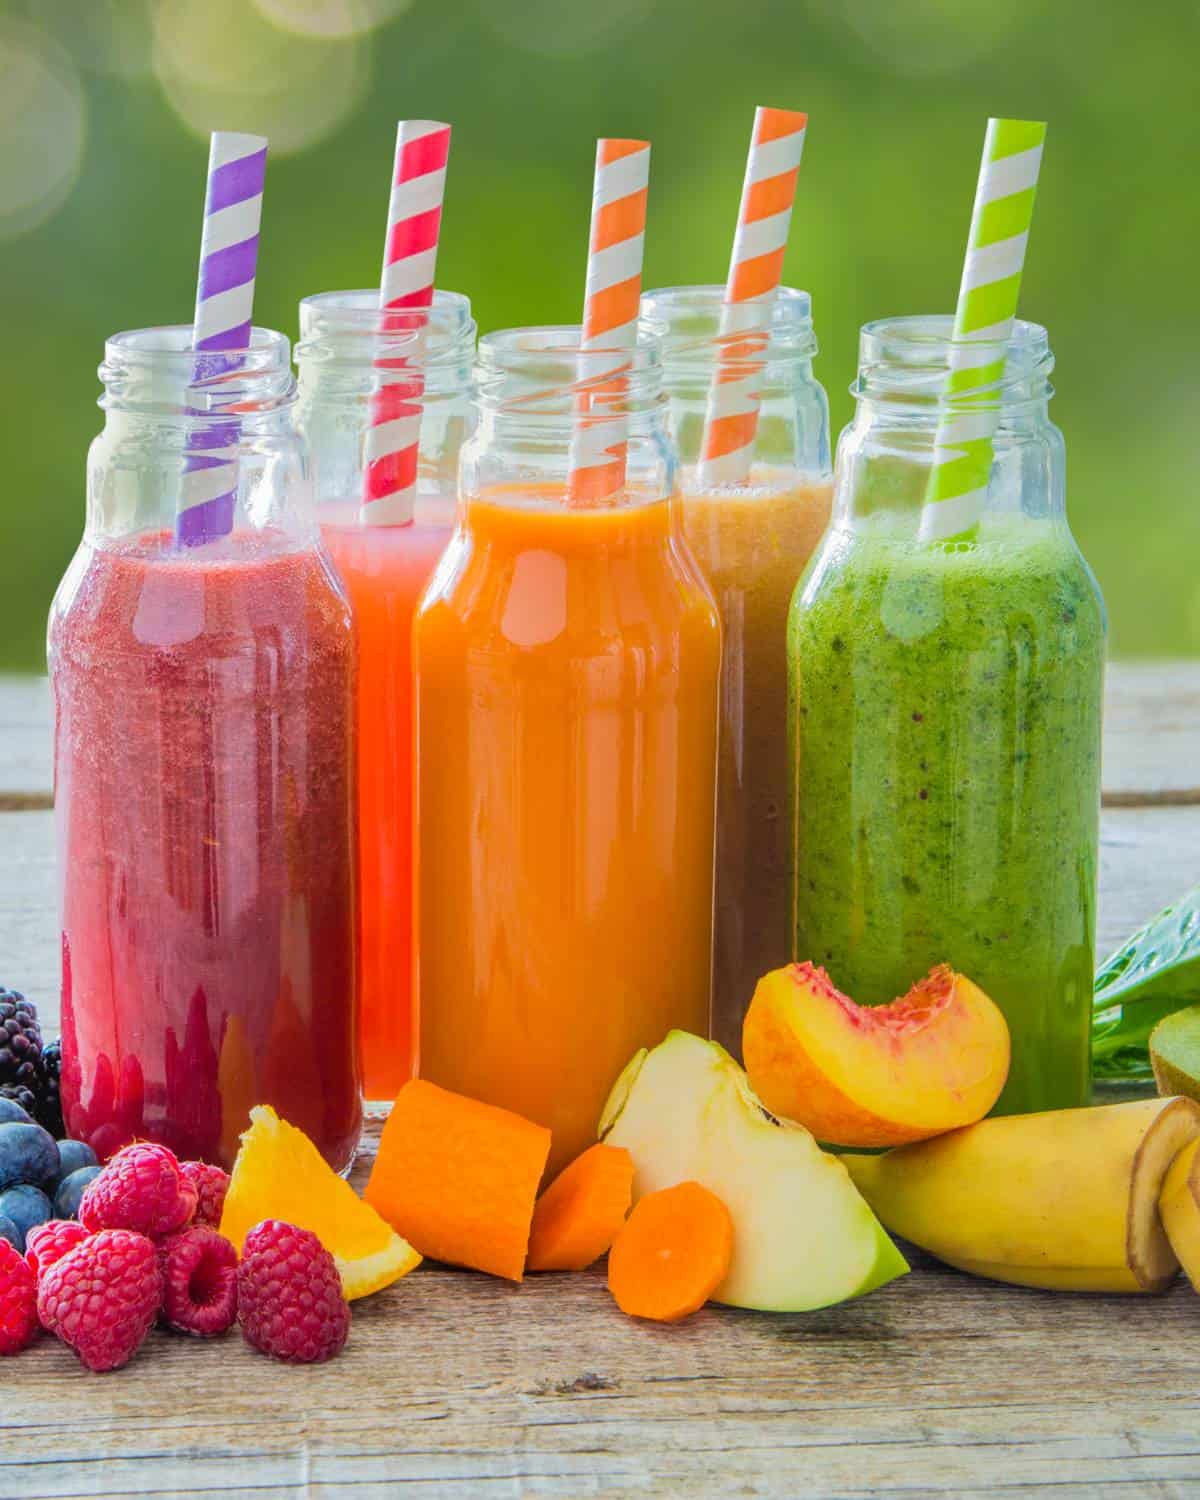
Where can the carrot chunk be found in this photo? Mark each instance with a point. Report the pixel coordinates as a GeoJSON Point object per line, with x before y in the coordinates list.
{"type": "Point", "coordinates": [672, 1254]}
{"type": "Point", "coordinates": [461, 1176]}
{"type": "Point", "coordinates": [581, 1212]}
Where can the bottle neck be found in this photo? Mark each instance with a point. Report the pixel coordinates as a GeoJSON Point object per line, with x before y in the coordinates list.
{"type": "Point", "coordinates": [184, 427]}
{"type": "Point", "coordinates": [752, 359]}
{"type": "Point", "coordinates": [569, 425]}
{"type": "Point", "coordinates": [918, 403]}
{"type": "Point", "coordinates": [349, 350]}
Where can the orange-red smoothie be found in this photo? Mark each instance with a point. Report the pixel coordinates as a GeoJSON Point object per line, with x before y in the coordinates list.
{"type": "Point", "coordinates": [385, 570]}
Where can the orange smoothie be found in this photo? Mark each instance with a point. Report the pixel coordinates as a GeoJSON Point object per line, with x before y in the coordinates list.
{"type": "Point", "coordinates": [385, 570]}
{"type": "Point", "coordinates": [752, 542]}
{"type": "Point", "coordinates": [567, 666]}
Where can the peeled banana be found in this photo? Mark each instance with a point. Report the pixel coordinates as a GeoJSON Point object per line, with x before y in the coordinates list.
{"type": "Point", "coordinates": [1066, 1200]}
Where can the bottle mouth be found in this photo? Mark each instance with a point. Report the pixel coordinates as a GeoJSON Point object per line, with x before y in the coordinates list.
{"type": "Point", "coordinates": [350, 329]}
{"type": "Point", "coordinates": [156, 370]}
{"type": "Point", "coordinates": [908, 361]}
{"type": "Point", "coordinates": [699, 328]}
{"type": "Point", "coordinates": [548, 371]}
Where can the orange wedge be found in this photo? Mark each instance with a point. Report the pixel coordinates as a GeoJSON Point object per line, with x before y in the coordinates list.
{"type": "Point", "coordinates": [280, 1174]}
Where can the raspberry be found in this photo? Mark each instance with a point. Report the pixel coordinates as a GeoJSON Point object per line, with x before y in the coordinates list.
{"type": "Point", "coordinates": [211, 1185]}
{"type": "Point", "coordinates": [102, 1297]}
{"type": "Point", "coordinates": [48, 1242]}
{"type": "Point", "coordinates": [199, 1269]}
{"type": "Point", "coordinates": [18, 1301]}
{"type": "Point", "coordinates": [141, 1188]}
{"type": "Point", "coordinates": [290, 1294]}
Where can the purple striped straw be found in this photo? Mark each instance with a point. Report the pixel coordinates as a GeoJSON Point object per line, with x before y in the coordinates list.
{"type": "Point", "coordinates": [224, 304]}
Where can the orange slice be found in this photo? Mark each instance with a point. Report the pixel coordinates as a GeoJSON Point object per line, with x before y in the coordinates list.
{"type": "Point", "coordinates": [280, 1174]}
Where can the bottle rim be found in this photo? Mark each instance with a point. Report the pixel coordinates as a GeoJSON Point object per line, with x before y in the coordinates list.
{"type": "Point", "coordinates": [350, 328]}
{"type": "Point", "coordinates": [906, 360]}
{"type": "Point", "coordinates": [548, 370]}
{"type": "Point", "coordinates": [698, 327]}
{"type": "Point", "coordinates": [156, 370]}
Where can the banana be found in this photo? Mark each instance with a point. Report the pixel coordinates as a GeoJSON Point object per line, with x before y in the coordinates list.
{"type": "Point", "coordinates": [1179, 1205]}
{"type": "Point", "coordinates": [1066, 1200]}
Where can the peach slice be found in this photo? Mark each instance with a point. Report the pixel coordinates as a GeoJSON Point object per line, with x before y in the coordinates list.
{"type": "Point", "coordinates": [874, 1075]}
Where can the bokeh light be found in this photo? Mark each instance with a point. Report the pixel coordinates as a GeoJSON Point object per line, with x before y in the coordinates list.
{"type": "Point", "coordinates": [222, 64]}
{"type": "Point", "coordinates": [924, 37]}
{"type": "Point", "coordinates": [562, 28]}
{"type": "Point", "coordinates": [330, 18]}
{"type": "Point", "coordinates": [103, 36]}
{"type": "Point", "coordinates": [41, 127]}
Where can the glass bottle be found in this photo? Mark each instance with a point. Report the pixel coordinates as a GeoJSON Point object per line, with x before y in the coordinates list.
{"type": "Point", "coordinates": [945, 718]}
{"type": "Point", "coordinates": [567, 661]}
{"type": "Point", "coordinates": [343, 337]}
{"type": "Point", "coordinates": [752, 533]}
{"type": "Point", "coordinates": [203, 774]}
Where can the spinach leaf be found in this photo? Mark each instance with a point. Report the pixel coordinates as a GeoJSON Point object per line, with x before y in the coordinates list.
{"type": "Point", "coordinates": [1155, 972]}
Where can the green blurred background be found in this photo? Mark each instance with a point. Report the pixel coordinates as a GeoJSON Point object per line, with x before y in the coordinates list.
{"type": "Point", "coordinates": [105, 107]}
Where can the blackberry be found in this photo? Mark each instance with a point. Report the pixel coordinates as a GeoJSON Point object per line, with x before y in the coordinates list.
{"type": "Point", "coordinates": [20, 1041]}
{"type": "Point", "coordinates": [49, 1109]}
{"type": "Point", "coordinates": [18, 1094]}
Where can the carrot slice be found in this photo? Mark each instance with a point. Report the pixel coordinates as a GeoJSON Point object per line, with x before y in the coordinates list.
{"type": "Point", "coordinates": [581, 1212]}
{"type": "Point", "coordinates": [672, 1254]}
{"type": "Point", "coordinates": [461, 1176]}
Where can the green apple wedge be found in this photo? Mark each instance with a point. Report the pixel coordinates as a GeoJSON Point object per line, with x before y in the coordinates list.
{"type": "Point", "coordinates": [803, 1236]}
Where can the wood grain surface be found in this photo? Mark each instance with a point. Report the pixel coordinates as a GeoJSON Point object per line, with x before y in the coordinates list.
{"type": "Point", "coordinates": [454, 1384]}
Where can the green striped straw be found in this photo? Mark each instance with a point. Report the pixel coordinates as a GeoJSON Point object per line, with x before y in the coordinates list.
{"type": "Point", "coordinates": [987, 305]}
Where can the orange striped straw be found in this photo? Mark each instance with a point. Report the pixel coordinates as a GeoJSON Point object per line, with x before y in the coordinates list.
{"type": "Point", "coordinates": [610, 312]}
{"type": "Point", "coordinates": [409, 259]}
{"type": "Point", "coordinates": [755, 270]}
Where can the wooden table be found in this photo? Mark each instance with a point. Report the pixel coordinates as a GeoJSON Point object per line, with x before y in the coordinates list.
{"type": "Point", "coordinates": [454, 1384]}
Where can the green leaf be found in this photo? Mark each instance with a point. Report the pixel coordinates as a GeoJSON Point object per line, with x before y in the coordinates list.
{"type": "Point", "coordinates": [1152, 974]}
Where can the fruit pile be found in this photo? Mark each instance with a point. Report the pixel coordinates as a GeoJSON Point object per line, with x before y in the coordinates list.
{"type": "Point", "coordinates": [146, 1247]}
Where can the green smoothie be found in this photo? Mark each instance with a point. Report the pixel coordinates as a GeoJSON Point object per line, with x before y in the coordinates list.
{"type": "Point", "coordinates": [945, 739]}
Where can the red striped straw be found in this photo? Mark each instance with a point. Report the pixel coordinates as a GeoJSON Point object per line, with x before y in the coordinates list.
{"type": "Point", "coordinates": [610, 311]}
{"type": "Point", "coordinates": [755, 271]}
{"type": "Point", "coordinates": [409, 261]}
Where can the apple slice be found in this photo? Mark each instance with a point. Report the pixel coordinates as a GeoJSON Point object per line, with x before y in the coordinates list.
{"type": "Point", "coordinates": [802, 1235]}
{"type": "Point", "coordinates": [1179, 1208]}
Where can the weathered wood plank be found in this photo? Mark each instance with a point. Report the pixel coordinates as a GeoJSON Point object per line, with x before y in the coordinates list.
{"type": "Point", "coordinates": [1151, 743]}
{"type": "Point", "coordinates": [26, 776]}
{"type": "Point", "coordinates": [453, 1383]}
{"type": "Point", "coordinates": [1152, 731]}
{"type": "Point", "coordinates": [1148, 856]}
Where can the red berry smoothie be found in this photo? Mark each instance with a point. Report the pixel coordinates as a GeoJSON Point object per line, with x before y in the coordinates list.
{"type": "Point", "coordinates": [204, 789]}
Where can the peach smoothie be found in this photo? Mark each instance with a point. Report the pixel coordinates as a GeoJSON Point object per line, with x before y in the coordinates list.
{"type": "Point", "coordinates": [752, 542]}
{"type": "Point", "coordinates": [567, 665]}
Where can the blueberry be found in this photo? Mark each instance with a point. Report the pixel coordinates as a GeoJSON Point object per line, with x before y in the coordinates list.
{"type": "Point", "coordinates": [11, 1113]}
{"type": "Point", "coordinates": [70, 1190]}
{"type": "Point", "coordinates": [71, 1156]}
{"type": "Point", "coordinates": [27, 1154]}
{"type": "Point", "coordinates": [10, 1232]}
{"type": "Point", "coordinates": [25, 1206]}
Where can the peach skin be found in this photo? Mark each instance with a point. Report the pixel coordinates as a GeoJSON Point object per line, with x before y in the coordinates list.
{"type": "Point", "coordinates": [882, 1075]}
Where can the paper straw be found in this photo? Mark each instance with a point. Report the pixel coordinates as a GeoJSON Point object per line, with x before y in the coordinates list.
{"type": "Point", "coordinates": [409, 262]}
{"type": "Point", "coordinates": [987, 305]}
{"type": "Point", "coordinates": [224, 305]}
{"type": "Point", "coordinates": [755, 271]}
{"type": "Point", "coordinates": [610, 313]}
